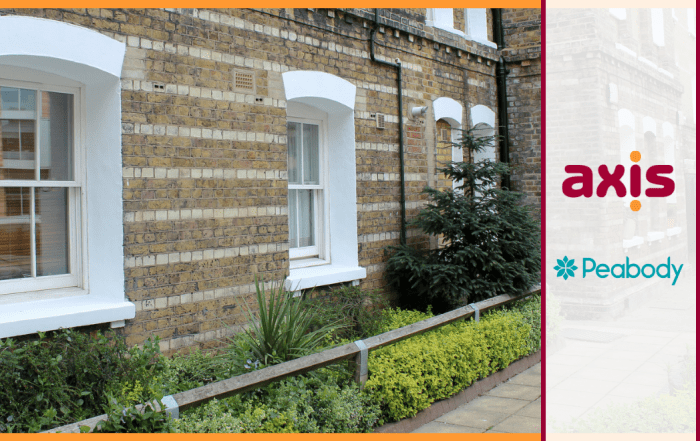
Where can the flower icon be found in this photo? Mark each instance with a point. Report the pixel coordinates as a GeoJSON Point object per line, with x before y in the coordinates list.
{"type": "Point", "coordinates": [565, 268]}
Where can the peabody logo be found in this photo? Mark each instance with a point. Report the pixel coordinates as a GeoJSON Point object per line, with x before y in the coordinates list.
{"type": "Point", "coordinates": [565, 268]}
{"type": "Point", "coordinates": [584, 181]}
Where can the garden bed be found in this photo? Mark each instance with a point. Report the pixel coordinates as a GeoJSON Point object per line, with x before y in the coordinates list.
{"type": "Point", "coordinates": [404, 379]}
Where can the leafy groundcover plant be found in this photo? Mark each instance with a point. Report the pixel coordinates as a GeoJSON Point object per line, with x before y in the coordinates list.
{"type": "Point", "coordinates": [67, 376]}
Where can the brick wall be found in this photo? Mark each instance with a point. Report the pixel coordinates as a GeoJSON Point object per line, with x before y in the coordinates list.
{"type": "Point", "coordinates": [523, 57]}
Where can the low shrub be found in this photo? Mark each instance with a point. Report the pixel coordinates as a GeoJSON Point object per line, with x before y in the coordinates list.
{"type": "Point", "coordinates": [132, 419]}
{"type": "Point", "coordinates": [281, 332]}
{"type": "Point", "coordinates": [408, 376]}
{"type": "Point", "coordinates": [531, 310]}
{"type": "Point", "coordinates": [356, 312]}
{"type": "Point", "coordinates": [210, 417]}
{"type": "Point", "coordinates": [395, 318]}
{"type": "Point", "coordinates": [65, 376]}
{"type": "Point", "coordinates": [196, 369]}
{"type": "Point", "coordinates": [315, 402]}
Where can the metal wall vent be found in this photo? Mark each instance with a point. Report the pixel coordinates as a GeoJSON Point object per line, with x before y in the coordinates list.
{"type": "Point", "coordinates": [381, 121]}
{"type": "Point", "coordinates": [244, 80]}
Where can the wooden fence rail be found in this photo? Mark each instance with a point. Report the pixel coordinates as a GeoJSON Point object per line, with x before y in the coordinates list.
{"type": "Point", "coordinates": [356, 352]}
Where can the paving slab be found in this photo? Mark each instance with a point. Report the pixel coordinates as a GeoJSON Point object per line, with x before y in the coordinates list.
{"type": "Point", "coordinates": [528, 379]}
{"type": "Point", "coordinates": [497, 404]}
{"type": "Point", "coordinates": [482, 419]}
{"type": "Point", "coordinates": [438, 427]}
{"type": "Point", "coordinates": [519, 391]}
{"type": "Point", "coordinates": [532, 410]}
{"type": "Point", "coordinates": [519, 424]}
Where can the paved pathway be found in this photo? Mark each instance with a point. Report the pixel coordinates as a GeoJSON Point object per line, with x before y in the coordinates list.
{"type": "Point", "coordinates": [585, 376]}
{"type": "Point", "coordinates": [512, 407]}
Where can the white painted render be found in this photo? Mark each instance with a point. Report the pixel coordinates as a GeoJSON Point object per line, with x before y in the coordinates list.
{"type": "Point", "coordinates": [39, 48]}
{"type": "Point", "coordinates": [484, 119]}
{"type": "Point", "coordinates": [477, 26]}
{"type": "Point", "coordinates": [649, 125]}
{"type": "Point", "coordinates": [451, 111]}
{"type": "Point", "coordinates": [336, 98]}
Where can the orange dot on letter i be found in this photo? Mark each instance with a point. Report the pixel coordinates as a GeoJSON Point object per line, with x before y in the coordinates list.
{"type": "Point", "coordinates": [635, 205]}
{"type": "Point", "coordinates": [635, 156]}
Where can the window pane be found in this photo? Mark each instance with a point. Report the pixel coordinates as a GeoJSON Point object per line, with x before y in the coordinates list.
{"type": "Point", "coordinates": [293, 225]}
{"type": "Point", "coordinates": [294, 152]}
{"type": "Point", "coordinates": [52, 231]}
{"type": "Point", "coordinates": [311, 154]}
{"type": "Point", "coordinates": [306, 218]}
{"type": "Point", "coordinates": [17, 139]}
{"type": "Point", "coordinates": [13, 100]}
{"type": "Point", "coordinates": [56, 128]}
{"type": "Point", "coordinates": [9, 99]}
{"type": "Point", "coordinates": [15, 249]}
{"type": "Point", "coordinates": [17, 133]}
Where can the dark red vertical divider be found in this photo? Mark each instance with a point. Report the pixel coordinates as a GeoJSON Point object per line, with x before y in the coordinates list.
{"type": "Point", "coordinates": [543, 220]}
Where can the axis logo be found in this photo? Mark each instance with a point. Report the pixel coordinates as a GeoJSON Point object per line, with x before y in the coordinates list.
{"type": "Point", "coordinates": [654, 175]}
{"type": "Point", "coordinates": [565, 268]}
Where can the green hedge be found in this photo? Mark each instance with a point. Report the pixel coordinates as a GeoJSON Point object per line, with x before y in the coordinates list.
{"type": "Point", "coordinates": [408, 376]}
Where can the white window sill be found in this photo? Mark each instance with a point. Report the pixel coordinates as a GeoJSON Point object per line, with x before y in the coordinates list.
{"type": "Point", "coordinates": [322, 275]}
{"type": "Point", "coordinates": [673, 231]}
{"type": "Point", "coordinates": [635, 241]}
{"type": "Point", "coordinates": [653, 236]}
{"type": "Point", "coordinates": [303, 263]}
{"type": "Point", "coordinates": [67, 312]}
{"type": "Point", "coordinates": [449, 29]}
{"type": "Point", "coordinates": [482, 41]}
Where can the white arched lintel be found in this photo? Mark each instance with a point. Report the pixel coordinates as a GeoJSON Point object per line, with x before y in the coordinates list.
{"type": "Point", "coordinates": [301, 84]}
{"type": "Point", "coordinates": [481, 114]}
{"type": "Point", "coordinates": [39, 37]}
{"type": "Point", "coordinates": [625, 118]}
{"type": "Point", "coordinates": [667, 130]}
{"type": "Point", "coordinates": [449, 110]}
{"type": "Point", "coordinates": [649, 125]}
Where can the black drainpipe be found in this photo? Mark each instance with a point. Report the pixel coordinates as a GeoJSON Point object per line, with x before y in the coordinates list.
{"type": "Point", "coordinates": [502, 93]}
{"type": "Point", "coordinates": [397, 66]}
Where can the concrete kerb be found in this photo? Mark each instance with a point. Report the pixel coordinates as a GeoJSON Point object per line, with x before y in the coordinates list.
{"type": "Point", "coordinates": [439, 408]}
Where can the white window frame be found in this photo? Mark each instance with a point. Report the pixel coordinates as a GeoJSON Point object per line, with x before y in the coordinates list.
{"type": "Point", "coordinates": [76, 195]}
{"type": "Point", "coordinates": [318, 254]}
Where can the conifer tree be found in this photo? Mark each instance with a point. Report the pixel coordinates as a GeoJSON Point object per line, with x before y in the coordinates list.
{"type": "Point", "coordinates": [490, 242]}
